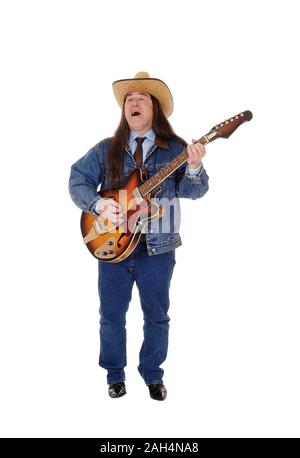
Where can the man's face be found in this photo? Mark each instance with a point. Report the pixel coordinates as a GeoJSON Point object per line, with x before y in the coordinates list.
{"type": "Point", "coordinates": [139, 111]}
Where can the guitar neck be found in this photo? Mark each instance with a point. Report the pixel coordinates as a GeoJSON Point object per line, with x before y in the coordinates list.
{"type": "Point", "coordinates": [163, 173]}
{"type": "Point", "coordinates": [223, 130]}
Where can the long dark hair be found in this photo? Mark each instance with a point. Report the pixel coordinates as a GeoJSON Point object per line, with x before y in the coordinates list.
{"type": "Point", "coordinates": [119, 141]}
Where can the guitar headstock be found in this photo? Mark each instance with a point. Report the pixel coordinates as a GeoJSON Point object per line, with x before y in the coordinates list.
{"type": "Point", "coordinates": [227, 127]}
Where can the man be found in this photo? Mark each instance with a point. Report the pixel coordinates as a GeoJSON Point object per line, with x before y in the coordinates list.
{"type": "Point", "coordinates": [143, 139]}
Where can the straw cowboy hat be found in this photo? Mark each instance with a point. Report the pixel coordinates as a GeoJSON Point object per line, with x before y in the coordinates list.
{"type": "Point", "coordinates": [143, 83]}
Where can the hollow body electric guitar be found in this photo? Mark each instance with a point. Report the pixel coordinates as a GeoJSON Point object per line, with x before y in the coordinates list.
{"type": "Point", "coordinates": [114, 242]}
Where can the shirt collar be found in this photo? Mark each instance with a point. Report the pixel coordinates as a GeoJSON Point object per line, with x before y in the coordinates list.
{"type": "Point", "coordinates": [150, 135]}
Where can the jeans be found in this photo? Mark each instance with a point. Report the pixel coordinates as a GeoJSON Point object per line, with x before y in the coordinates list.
{"type": "Point", "coordinates": [152, 275]}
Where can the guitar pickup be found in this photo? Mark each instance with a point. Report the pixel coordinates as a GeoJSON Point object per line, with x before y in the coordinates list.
{"type": "Point", "coordinates": [99, 226]}
{"type": "Point", "coordinates": [137, 196]}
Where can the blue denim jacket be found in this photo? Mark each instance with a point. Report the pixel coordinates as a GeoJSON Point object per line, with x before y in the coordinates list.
{"type": "Point", "coordinates": [90, 172]}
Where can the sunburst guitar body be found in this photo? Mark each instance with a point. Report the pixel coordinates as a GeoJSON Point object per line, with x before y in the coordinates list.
{"type": "Point", "coordinates": [112, 242]}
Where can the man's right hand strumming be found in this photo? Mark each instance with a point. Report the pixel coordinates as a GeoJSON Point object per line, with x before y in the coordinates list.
{"type": "Point", "coordinates": [109, 209]}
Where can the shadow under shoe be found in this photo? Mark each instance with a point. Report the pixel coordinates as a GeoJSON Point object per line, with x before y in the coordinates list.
{"type": "Point", "coordinates": [158, 391]}
{"type": "Point", "coordinates": [116, 390]}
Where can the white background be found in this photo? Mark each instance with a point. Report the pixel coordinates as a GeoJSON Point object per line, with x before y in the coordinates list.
{"type": "Point", "coordinates": [233, 363]}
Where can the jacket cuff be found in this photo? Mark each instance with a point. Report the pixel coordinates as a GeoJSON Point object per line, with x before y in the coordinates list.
{"type": "Point", "coordinates": [194, 174]}
{"type": "Point", "coordinates": [93, 207]}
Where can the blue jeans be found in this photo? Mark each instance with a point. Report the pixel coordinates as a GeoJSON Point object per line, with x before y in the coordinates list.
{"type": "Point", "coordinates": [152, 275]}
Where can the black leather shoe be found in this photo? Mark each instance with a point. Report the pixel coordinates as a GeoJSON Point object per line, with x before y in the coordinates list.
{"type": "Point", "coordinates": [116, 390]}
{"type": "Point", "coordinates": [158, 391]}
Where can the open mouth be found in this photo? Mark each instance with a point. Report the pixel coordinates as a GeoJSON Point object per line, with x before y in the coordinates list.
{"type": "Point", "coordinates": [135, 113]}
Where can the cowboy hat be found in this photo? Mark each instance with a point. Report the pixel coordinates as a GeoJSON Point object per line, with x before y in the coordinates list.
{"type": "Point", "coordinates": [143, 83]}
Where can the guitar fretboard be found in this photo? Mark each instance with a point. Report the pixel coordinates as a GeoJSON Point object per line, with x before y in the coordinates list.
{"type": "Point", "coordinates": [163, 173]}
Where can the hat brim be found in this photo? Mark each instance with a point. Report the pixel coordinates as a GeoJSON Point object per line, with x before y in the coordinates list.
{"type": "Point", "coordinates": [152, 86]}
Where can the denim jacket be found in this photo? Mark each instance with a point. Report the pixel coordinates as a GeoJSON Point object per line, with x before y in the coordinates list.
{"type": "Point", "coordinates": [90, 172]}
